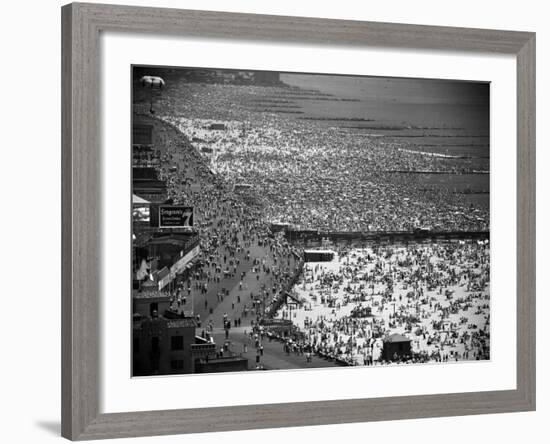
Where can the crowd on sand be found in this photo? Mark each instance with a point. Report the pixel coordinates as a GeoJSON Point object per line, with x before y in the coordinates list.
{"type": "Point", "coordinates": [320, 178]}
{"type": "Point", "coordinates": [435, 295]}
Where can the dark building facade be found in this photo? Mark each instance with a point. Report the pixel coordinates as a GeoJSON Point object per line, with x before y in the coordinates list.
{"type": "Point", "coordinates": [163, 346]}
{"type": "Point", "coordinates": [396, 347]}
{"type": "Point", "coordinates": [146, 184]}
{"type": "Point", "coordinates": [318, 255]}
{"type": "Point", "coordinates": [162, 341]}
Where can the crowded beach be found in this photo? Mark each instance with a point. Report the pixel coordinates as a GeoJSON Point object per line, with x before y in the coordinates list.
{"type": "Point", "coordinates": [244, 170]}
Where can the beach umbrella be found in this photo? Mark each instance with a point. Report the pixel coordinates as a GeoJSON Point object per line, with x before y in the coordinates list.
{"type": "Point", "coordinates": [152, 83]}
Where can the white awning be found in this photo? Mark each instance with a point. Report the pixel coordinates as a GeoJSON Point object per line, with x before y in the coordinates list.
{"type": "Point", "coordinates": [139, 200]}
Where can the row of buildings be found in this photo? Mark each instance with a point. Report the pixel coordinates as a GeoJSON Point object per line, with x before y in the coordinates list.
{"type": "Point", "coordinates": [164, 253]}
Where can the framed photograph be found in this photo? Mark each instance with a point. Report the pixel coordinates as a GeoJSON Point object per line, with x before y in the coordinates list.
{"type": "Point", "coordinates": [278, 221]}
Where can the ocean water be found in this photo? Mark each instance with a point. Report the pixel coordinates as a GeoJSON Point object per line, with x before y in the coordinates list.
{"type": "Point", "coordinates": [444, 117]}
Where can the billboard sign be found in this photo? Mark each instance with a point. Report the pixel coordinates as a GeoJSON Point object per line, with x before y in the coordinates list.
{"type": "Point", "coordinates": [172, 216]}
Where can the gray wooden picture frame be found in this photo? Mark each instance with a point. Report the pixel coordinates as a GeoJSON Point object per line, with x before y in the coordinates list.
{"type": "Point", "coordinates": [81, 167]}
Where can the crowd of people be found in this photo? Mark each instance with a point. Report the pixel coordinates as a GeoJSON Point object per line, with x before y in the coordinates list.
{"type": "Point", "coordinates": [437, 295]}
{"type": "Point", "coordinates": [235, 241]}
{"type": "Point", "coordinates": [242, 170]}
{"type": "Point", "coordinates": [319, 178]}
{"type": "Point", "coordinates": [314, 176]}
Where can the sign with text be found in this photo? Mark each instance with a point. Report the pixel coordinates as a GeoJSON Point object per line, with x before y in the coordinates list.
{"type": "Point", "coordinates": [171, 216]}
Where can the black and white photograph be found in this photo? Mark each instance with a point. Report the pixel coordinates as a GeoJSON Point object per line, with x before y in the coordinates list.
{"type": "Point", "coordinates": [275, 222]}
{"type": "Point", "coordinates": [298, 220]}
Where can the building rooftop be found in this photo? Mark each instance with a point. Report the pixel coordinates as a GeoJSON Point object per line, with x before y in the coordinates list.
{"type": "Point", "coordinates": [396, 337]}
{"type": "Point", "coordinates": [181, 323]}
{"type": "Point", "coordinates": [139, 321]}
{"type": "Point", "coordinates": [173, 239]}
{"type": "Point", "coordinates": [149, 294]}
